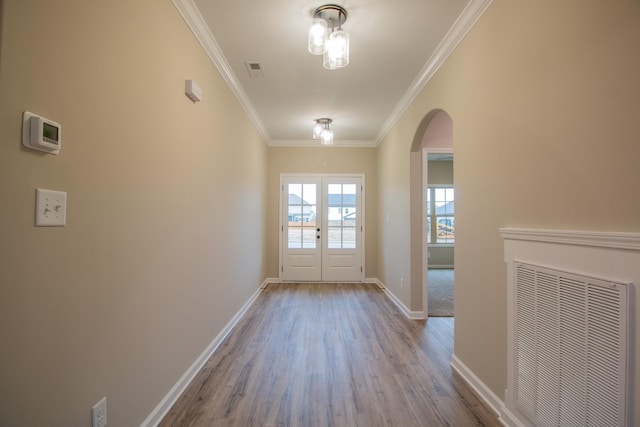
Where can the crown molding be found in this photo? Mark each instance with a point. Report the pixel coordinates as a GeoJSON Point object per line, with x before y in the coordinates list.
{"type": "Point", "coordinates": [361, 143]}
{"type": "Point", "coordinates": [196, 23]}
{"type": "Point", "coordinates": [474, 10]}
{"type": "Point", "coordinates": [191, 15]}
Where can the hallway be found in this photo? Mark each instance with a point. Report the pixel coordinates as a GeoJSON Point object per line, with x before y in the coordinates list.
{"type": "Point", "coordinates": [330, 355]}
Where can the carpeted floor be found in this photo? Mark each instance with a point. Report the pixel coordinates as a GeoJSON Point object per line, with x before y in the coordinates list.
{"type": "Point", "coordinates": [440, 292]}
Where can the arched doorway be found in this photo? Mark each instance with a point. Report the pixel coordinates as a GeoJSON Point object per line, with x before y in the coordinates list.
{"type": "Point", "coordinates": [433, 136]}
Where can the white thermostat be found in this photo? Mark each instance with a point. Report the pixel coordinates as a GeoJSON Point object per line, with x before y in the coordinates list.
{"type": "Point", "coordinates": [41, 134]}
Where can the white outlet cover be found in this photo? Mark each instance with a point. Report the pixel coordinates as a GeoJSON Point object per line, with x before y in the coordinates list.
{"type": "Point", "coordinates": [51, 208]}
{"type": "Point", "coordinates": [99, 413]}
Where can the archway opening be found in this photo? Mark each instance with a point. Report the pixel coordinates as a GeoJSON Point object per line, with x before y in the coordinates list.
{"type": "Point", "coordinates": [434, 136]}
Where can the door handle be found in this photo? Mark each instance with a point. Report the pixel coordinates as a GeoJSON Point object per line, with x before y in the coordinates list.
{"type": "Point", "coordinates": [318, 230]}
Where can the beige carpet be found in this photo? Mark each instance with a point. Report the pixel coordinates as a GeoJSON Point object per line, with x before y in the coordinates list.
{"type": "Point", "coordinates": [440, 292]}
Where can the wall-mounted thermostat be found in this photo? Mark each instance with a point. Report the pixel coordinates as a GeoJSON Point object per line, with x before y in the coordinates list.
{"type": "Point", "coordinates": [41, 134]}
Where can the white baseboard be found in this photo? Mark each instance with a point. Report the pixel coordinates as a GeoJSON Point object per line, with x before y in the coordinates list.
{"type": "Point", "coordinates": [490, 398]}
{"type": "Point", "coordinates": [414, 315]}
{"type": "Point", "coordinates": [508, 419]}
{"type": "Point", "coordinates": [176, 391]}
{"type": "Point", "coordinates": [270, 280]}
{"type": "Point", "coordinates": [374, 281]}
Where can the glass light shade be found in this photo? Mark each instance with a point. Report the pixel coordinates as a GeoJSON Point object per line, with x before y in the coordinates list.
{"type": "Point", "coordinates": [326, 138]}
{"type": "Point", "coordinates": [317, 36]}
{"type": "Point", "coordinates": [317, 131]}
{"type": "Point", "coordinates": [336, 54]}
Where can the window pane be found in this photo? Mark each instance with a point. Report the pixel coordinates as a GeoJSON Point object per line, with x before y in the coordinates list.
{"type": "Point", "coordinates": [334, 237]}
{"type": "Point", "coordinates": [446, 229]}
{"type": "Point", "coordinates": [449, 194]}
{"type": "Point", "coordinates": [349, 237]}
{"type": "Point", "coordinates": [295, 214]}
{"type": "Point", "coordinates": [309, 237]}
{"type": "Point", "coordinates": [295, 189]}
{"type": "Point", "coordinates": [349, 219]}
{"type": "Point", "coordinates": [309, 194]}
{"type": "Point", "coordinates": [441, 211]}
{"type": "Point", "coordinates": [334, 215]}
{"type": "Point", "coordinates": [349, 194]}
{"type": "Point", "coordinates": [295, 238]}
{"type": "Point", "coordinates": [334, 195]}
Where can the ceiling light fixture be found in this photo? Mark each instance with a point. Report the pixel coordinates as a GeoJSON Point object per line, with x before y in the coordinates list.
{"type": "Point", "coordinates": [322, 132]}
{"type": "Point", "coordinates": [334, 45]}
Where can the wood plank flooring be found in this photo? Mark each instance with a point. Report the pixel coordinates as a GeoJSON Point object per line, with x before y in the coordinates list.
{"type": "Point", "coordinates": [330, 355]}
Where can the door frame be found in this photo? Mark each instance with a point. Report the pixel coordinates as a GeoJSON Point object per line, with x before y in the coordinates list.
{"type": "Point", "coordinates": [284, 176]}
{"type": "Point", "coordinates": [425, 234]}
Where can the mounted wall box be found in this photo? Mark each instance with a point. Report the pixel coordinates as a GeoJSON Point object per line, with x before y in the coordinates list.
{"type": "Point", "coordinates": [41, 134]}
{"type": "Point", "coordinates": [192, 90]}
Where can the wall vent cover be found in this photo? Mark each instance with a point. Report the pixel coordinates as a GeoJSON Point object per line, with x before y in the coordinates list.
{"type": "Point", "coordinates": [255, 69]}
{"type": "Point", "coordinates": [571, 348]}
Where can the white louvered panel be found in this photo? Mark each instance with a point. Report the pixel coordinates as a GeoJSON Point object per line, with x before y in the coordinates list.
{"type": "Point", "coordinates": [547, 339]}
{"type": "Point", "coordinates": [526, 356]}
{"type": "Point", "coordinates": [605, 355]}
{"type": "Point", "coordinates": [570, 348]}
{"type": "Point", "coordinates": [573, 354]}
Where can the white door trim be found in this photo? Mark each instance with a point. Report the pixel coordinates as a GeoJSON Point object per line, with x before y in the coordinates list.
{"type": "Point", "coordinates": [425, 237]}
{"type": "Point", "coordinates": [287, 176]}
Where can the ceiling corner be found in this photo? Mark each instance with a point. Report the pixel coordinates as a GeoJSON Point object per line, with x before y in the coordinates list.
{"type": "Point", "coordinates": [194, 20]}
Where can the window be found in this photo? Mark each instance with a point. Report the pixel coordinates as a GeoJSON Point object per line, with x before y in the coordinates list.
{"type": "Point", "coordinates": [440, 211]}
{"type": "Point", "coordinates": [341, 215]}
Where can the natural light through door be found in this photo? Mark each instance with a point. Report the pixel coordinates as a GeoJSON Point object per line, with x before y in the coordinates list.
{"type": "Point", "coordinates": [322, 228]}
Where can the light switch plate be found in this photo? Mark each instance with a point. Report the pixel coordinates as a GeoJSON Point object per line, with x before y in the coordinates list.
{"type": "Point", "coordinates": [51, 208]}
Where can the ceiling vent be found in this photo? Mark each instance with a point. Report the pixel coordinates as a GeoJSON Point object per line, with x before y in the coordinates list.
{"type": "Point", "coordinates": [255, 69]}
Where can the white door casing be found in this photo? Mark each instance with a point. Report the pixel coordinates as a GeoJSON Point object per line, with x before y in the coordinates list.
{"type": "Point", "coordinates": [322, 228]}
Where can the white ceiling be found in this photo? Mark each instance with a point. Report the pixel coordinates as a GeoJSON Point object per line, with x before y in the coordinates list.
{"type": "Point", "coordinates": [395, 46]}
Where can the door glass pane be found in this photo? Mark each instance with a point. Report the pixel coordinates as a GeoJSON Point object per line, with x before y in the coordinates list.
{"type": "Point", "coordinates": [349, 238]}
{"type": "Point", "coordinates": [302, 216]}
{"type": "Point", "coordinates": [349, 217]}
{"type": "Point", "coordinates": [309, 237]}
{"type": "Point", "coordinates": [295, 214]}
{"type": "Point", "coordinates": [349, 194]}
{"type": "Point", "coordinates": [335, 237]}
{"type": "Point", "coordinates": [335, 194]}
{"type": "Point", "coordinates": [341, 216]}
{"type": "Point", "coordinates": [295, 238]}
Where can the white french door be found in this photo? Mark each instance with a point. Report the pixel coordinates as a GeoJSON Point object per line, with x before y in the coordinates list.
{"type": "Point", "coordinates": [322, 228]}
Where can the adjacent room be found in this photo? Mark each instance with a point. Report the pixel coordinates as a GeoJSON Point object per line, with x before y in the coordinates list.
{"type": "Point", "coordinates": [364, 213]}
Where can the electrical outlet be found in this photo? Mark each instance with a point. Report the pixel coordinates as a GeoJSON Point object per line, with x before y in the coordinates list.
{"type": "Point", "coordinates": [51, 208]}
{"type": "Point", "coordinates": [99, 414]}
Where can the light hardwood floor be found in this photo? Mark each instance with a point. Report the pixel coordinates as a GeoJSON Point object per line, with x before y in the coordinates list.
{"type": "Point", "coordinates": [330, 355]}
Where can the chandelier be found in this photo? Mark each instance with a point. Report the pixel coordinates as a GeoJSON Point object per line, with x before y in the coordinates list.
{"type": "Point", "coordinates": [322, 132]}
{"type": "Point", "coordinates": [332, 45]}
